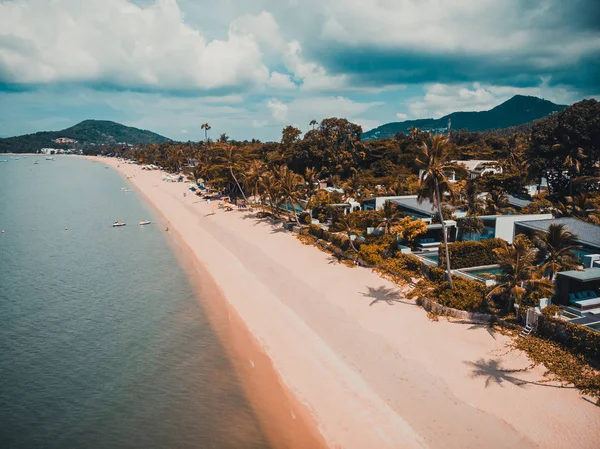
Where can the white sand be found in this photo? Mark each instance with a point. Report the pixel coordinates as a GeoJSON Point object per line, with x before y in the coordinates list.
{"type": "Point", "coordinates": [378, 375]}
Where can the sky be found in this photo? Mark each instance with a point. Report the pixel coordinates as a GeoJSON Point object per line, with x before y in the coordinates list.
{"type": "Point", "coordinates": [251, 67]}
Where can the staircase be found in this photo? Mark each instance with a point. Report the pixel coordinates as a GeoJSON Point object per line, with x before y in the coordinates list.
{"type": "Point", "coordinates": [527, 331]}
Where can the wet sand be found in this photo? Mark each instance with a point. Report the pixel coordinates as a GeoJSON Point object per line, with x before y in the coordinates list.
{"type": "Point", "coordinates": [354, 358]}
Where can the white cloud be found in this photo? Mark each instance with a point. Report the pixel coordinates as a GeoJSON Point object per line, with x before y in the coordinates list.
{"type": "Point", "coordinates": [441, 99]}
{"type": "Point", "coordinates": [402, 116]}
{"type": "Point", "coordinates": [280, 81]}
{"type": "Point", "coordinates": [278, 110]}
{"type": "Point", "coordinates": [259, 123]}
{"type": "Point", "coordinates": [312, 75]}
{"type": "Point", "coordinates": [476, 27]}
{"type": "Point", "coordinates": [118, 43]}
{"type": "Point", "coordinates": [184, 131]}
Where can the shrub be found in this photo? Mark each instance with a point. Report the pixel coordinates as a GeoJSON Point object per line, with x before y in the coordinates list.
{"type": "Point", "coordinates": [470, 254]}
{"type": "Point", "coordinates": [405, 263]}
{"type": "Point", "coordinates": [580, 339]}
{"type": "Point", "coordinates": [370, 254]}
{"type": "Point", "coordinates": [467, 295]}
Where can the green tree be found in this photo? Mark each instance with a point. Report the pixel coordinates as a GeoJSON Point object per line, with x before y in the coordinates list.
{"type": "Point", "coordinates": [409, 229]}
{"type": "Point", "coordinates": [497, 203]}
{"type": "Point", "coordinates": [517, 262]}
{"type": "Point", "coordinates": [433, 160]}
{"type": "Point", "coordinates": [389, 215]}
{"type": "Point", "coordinates": [289, 184]}
{"type": "Point", "coordinates": [206, 127]}
{"type": "Point", "coordinates": [557, 250]}
{"type": "Point", "coordinates": [469, 225]}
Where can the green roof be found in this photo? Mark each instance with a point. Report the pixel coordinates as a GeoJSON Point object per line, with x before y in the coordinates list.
{"type": "Point", "coordinates": [589, 274]}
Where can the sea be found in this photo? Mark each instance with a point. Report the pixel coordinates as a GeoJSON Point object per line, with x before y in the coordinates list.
{"type": "Point", "coordinates": [103, 340]}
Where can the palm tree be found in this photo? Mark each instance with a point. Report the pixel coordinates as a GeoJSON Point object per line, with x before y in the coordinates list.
{"type": "Point", "coordinates": [289, 192]}
{"type": "Point", "coordinates": [469, 225]}
{"type": "Point", "coordinates": [389, 215]}
{"type": "Point", "coordinates": [433, 159]}
{"type": "Point", "coordinates": [573, 161]}
{"type": "Point", "coordinates": [206, 127]}
{"type": "Point", "coordinates": [519, 271]}
{"type": "Point", "coordinates": [313, 123]}
{"type": "Point", "coordinates": [557, 249]}
{"type": "Point", "coordinates": [474, 203]}
{"type": "Point", "coordinates": [230, 161]}
{"type": "Point", "coordinates": [345, 225]}
{"type": "Point", "coordinates": [270, 193]}
{"type": "Point", "coordinates": [311, 178]}
{"type": "Point", "coordinates": [497, 202]}
{"type": "Point", "coordinates": [253, 177]}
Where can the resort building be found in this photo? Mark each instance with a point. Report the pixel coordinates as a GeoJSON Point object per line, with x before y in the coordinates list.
{"type": "Point", "coordinates": [588, 234]}
{"type": "Point", "coordinates": [503, 226]}
{"type": "Point", "coordinates": [480, 167]}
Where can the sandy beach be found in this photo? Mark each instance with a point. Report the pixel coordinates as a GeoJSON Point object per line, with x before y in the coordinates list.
{"type": "Point", "coordinates": [362, 365]}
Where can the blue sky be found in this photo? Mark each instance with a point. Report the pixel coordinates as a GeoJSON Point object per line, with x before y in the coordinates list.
{"type": "Point", "coordinates": [251, 67]}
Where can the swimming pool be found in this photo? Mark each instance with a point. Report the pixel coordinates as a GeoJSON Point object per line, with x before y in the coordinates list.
{"type": "Point", "coordinates": [487, 274]}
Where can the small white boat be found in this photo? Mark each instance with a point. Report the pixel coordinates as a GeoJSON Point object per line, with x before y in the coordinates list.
{"type": "Point", "coordinates": [49, 158]}
{"type": "Point", "coordinates": [3, 160]}
{"type": "Point", "coordinates": [118, 224]}
{"type": "Point", "coordinates": [145, 222]}
{"type": "Point", "coordinates": [35, 163]}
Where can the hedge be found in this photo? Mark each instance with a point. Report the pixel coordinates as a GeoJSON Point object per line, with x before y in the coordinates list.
{"type": "Point", "coordinates": [470, 254]}
{"type": "Point", "coordinates": [580, 339]}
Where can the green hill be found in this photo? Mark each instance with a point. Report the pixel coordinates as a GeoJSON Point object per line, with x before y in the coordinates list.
{"type": "Point", "coordinates": [87, 133]}
{"type": "Point", "coordinates": [514, 112]}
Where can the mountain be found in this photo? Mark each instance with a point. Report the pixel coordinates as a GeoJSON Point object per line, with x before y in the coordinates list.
{"type": "Point", "coordinates": [86, 133]}
{"type": "Point", "coordinates": [518, 110]}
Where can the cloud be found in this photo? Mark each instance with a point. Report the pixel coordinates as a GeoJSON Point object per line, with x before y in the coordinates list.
{"type": "Point", "coordinates": [117, 43]}
{"type": "Point", "coordinates": [441, 99]}
{"type": "Point", "coordinates": [280, 81]}
{"type": "Point", "coordinates": [401, 116]}
{"type": "Point", "coordinates": [312, 75]}
{"type": "Point", "coordinates": [513, 41]}
{"type": "Point", "coordinates": [300, 111]}
{"type": "Point", "coordinates": [279, 110]}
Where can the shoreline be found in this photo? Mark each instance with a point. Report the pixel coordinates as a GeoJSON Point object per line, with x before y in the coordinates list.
{"type": "Point", "coordinates": [366, 376]}
{"type": "Point", "coordinates": [274, 406]}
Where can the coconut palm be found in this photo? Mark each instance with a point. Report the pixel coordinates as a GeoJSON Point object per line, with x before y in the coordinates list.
{"type": "Point", "coordinates": [289, 184]}
{"type": "Point", "coordinates": [497, 202]}
{"type": "Point", "coordinates": [389, 215]}
{"type": "Point", "coordinates": [469, 225]}
{"type": "Point", "coordinates": [345, 225]}
{"type": "Point", "coordinates": [270, 194]}
{"type": "Point", "coordinates": [230, 160]}
{"type": "Point", "coordinates": [573, 161]}
{"type": "Point", "coordinates": [475, 205]}
{"type": "Point", "coordinates": [557, 250]}
{"type": "Point", "coordinates": [313, 123]}
{"type": "Point", "coordinates": [206, 127]}
{"type": "Point", "coordinates": [433, 159]}
{"type": "Point", "coordinates": [517, 262]}
{"type": "Point", "coordinates": [253, 177]}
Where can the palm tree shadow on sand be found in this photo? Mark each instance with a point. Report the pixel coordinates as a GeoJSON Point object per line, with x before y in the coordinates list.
{"type": "Point", "coordinates": [385, 294]}
{"type": "Point", "coordinates": [494, 373]}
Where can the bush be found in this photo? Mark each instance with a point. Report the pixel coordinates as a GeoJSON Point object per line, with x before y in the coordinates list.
{"type": "Point", "coordinates": [370, 254]}
{"type": "Point", "coordinates": [405, 263]}
{"type": "Point", "coordinates": [580, 339]}
{"type": "Point", "coordinates": [467, 295]}
{"type": "Point", "coordinates": [470, 254]}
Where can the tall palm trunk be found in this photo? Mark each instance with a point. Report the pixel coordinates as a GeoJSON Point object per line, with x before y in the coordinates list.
{"type": "Point", "coordinates": [238, 184]}
{"type": "Point", "coordinates": [439, 207]}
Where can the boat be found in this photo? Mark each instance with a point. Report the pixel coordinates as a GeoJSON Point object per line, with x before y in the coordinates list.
{"type": "Point", "coordinates": [35, 163]}
{"type": "Point", "coordinates": [145, 222]}
{"type": "Point", "coordinates": [118, 224]}
{"type": "Point", "coordinates": [49, 158]}
{"type": "Point", "coordinates": [3, 160]}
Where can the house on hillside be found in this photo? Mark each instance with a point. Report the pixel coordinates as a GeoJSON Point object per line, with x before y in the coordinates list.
{"type": "Point", "coordinates": [502, 226]}
{"type": "Point", "coordinates": [478, 168]}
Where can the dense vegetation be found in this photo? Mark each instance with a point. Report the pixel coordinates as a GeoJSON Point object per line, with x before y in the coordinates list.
{"type": "Point", "coordinates": [517, 111]}
{"type": "Point", "coordinates": [86, 133]}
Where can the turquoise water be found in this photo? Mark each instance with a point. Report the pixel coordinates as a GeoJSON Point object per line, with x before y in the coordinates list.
{"type": "Point", "coordinates": [103, 343]}
{"type": "Point", "coordinates": [486, 273]}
